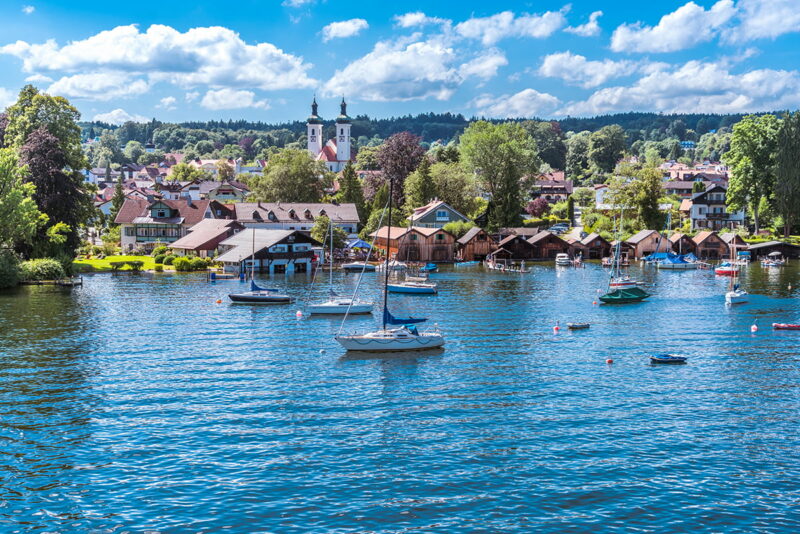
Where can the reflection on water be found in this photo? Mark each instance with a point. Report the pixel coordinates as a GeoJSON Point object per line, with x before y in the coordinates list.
{"type": "Point", "coordinates": [139, 403]}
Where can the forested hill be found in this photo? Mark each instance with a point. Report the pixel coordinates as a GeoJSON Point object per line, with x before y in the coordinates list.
{"type": "Point", "coordinates": [432, 126]}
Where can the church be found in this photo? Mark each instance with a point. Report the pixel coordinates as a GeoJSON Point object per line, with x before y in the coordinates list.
{"type": "Point", "coordinates": [337, 151]}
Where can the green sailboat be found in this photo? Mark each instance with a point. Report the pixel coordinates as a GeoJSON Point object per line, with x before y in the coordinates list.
{"type": "Point", "coordinates": [621, 295]}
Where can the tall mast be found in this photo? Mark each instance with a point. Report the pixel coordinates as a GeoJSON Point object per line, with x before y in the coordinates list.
{"type": "Point", "coordinates": [253, 258]}
{"type": "Point", "coordinates": [386, 263]}
{"type": "Point", "coordinates": [330, 276]}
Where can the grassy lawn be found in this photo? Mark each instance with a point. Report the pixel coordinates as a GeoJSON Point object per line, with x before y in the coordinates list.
{"type": "Point", "coordinates": [104, 265]}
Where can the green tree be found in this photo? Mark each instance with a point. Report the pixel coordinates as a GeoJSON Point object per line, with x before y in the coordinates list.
{"type": "Point", "coordinates": [455, 186]}
{"type": "Point", "coordinates": [578, 155]}
{"type": "Point", "coordinates": [116, 202]}
{"type": "Point", "coordinates": [20, 218]}
{"type": "Point", "coordinates": [107, 151]}
{"type": "Point", "coordinates": [751, 159]}
{"type": "Point", "coordinates": [571, 210]}
{"type": "Point", "coordinates": [458, 228]}
{"type": "Point", "coordinates": [500, 155]}
{"type": "Point", "coordinates": [606, 147]}
{"type": "Point", "coordinates": [33, 110]}
{"type": "Point", "coordinates": [641, 194]}
{"type": "Point", "coordinates": [549, 142]}
{"type": "Point", "coordinates": [183, 172]}
{"type": "Point", "coordinates": [350, 191]}
{"type": "Point", "coordinates": [134, 150]}
{"type": "Point", "coordinates": [367, 158]}
{"type": "Point", "coordinates": [787, 171]}
{"type": "Point", "coordinates": [698, 187]}
{"type": "Point", "coordinates": [291, 175]}
{"type": "Point", "coordinates": [320, 232]}
{"type": "Point", "coordinates": [225, 171]}
{"type": "Point", "coordinates": [419, 186]}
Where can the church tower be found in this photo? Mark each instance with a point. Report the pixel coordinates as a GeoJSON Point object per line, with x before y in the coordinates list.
{"type": "Point", "coordinates": [314, 131]}
{"type": "Point", "coordinates": [343, 134]}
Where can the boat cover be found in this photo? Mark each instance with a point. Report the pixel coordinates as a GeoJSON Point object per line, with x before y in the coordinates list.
{"type": "Point", "coordinates": [388, 318]}
{"type": "Point", "coordinates": [256, 287]}
{"type": "Point", "coordinates": [358, 243]}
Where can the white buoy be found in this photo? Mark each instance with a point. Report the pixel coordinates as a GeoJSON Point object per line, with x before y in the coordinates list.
{"type": "Point", "coordinates": [754, 327]}
{"type": "Point", "coordinates": [299, 314]}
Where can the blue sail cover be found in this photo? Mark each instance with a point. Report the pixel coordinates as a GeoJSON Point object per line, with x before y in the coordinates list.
{"type": "Point", "coordinates": [658, 256]}
{"type": "Point", "coordinates": [388, 318]}
{"type": "Point", "coordinates": [673, 258]}
{"type": "Point", "coordinates": [358, 243]}
{"type": "Point", "coordinates": [256, 287]}
{"type": "Point", "coordinates": [690, 257]}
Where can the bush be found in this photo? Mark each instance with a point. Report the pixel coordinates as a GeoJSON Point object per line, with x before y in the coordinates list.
{"type": "Point", "coordinates": [199, 264]}
{"type": "Point", "coordinates": [96, 251]}
{"type": "Point", "coordinates": [160, 251]}
{"type": "Point", "coordinates": [182, 264]}
{"type": "Point", "coordinates": [41, 269]}
{"type": "Point", "coordinates": [159, 268]}
{"type": "Point", "coordinates": [159, 258]}
{"type": "Point", "coordinates": [169, 259]}
{"type": "Point", "coordinates": [9, 269]}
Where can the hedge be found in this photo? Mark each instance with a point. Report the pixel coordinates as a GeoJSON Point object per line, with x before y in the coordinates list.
{"type": "Point", "coordinates": [41, 269]}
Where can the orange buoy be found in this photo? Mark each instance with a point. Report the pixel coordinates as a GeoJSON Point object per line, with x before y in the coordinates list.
{"type": "Point", "coordinates": [219, 301]}
{"type": "Point", "coordinates": [609, 361]}
{"type": "Point", "coordinates": [594, 303]}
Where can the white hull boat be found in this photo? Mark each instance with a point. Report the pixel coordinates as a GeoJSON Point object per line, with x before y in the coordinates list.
{"type": "Point", "coordinates": [685, 266]}
{"type": "Point", "coordinates": [392, 339]}
{"type": "Point", "coordinates": [563, 260]}
{"type": "Point", "coordinates": [340, 307]}
{"type": "Point", "coordinates": [737, 296]}
{"type": "Point", "coordinates": [358, 267]}
{"type": "Point", "coordinates": [394, 265]}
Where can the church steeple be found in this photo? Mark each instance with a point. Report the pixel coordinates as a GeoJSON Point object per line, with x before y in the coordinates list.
{"type": "Point", "coordinates": [314, 118]}
{"type": "Point", "coordinates": [314, 130]}
{"type": "Point", "coordinates": [343, 118]}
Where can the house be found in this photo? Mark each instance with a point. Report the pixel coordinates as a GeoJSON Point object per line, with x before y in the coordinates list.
{"type": "Point", "coordinates": [521, 231]}
{"type": "Point", "coordinates": [295, 215]}
{"type": "Point", "coordinates": [275, 251]}
{"type": "Point", "coordinates": [475, 245]}
{"type": "Point", "coordinates": [416, 243]}
{"type": "Point", "coordinates": [146, 222]}
{"type": "Point", "coordinates": [709, 210]}
{"type": "Point", "coordinates": [787, 250]}
{"type": "Point", "coordinates": [436, 214]}
{"type": "Point", "coordinates": [682, 188]}
{"type": "Point", "coordinates": [514, 248]}
{"type": "Point", "coordinates": [547, 244]}
{"type": "Point", "coordinates": [552, 186]}
{"type": "Point", "coordinates": [204, 237]}
{"type": "Point", "coordinates": [223, 191]}
{"type": "Point", "coordinates": [595, 247]}
{"type": "Point", "coordinates": [710, 246]}
{"type": "Point", "coordinates": [682, 243]}
{"type": "Point", "coordinates": [734, 240]}
{"type": "Point", "coordinates": [646, 242]}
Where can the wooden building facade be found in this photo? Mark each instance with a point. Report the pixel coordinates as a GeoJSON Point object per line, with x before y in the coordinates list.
{"type": "Point", "coordinates": [416, 244]}
{"type": "Point", "coordinates": [547, 244]}
{"type": "Point", "coordinates": [710, 246]}
{"type": "Point", "coordinates": [475, 245]}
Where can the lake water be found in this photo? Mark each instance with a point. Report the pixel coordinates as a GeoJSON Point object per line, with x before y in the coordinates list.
{"type": "Point", "coordinates": [137, 403]}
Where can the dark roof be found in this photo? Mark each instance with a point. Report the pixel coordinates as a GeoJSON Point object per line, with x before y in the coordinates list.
{"type": "Point", "coordinates": [769, 244]}
{"type": "Point", "coordinates": [259, 212]}
{"type": "Point", "coordinates": [511, 238]}
{"type": "Point", "coordinates": [641, 236]}
{"type": "Point", "coordinates": [471, 233]}
{"type": "Point", "coordinates": [192, 212]}
{"type": "Point", "coordinates": [591, 237]}
{"type": "Point", "coordinates": [544, 234]}
{"type": "Point", "coordinates": [730, 237]}
{"type": "Point", "coordinates": [206, 231]}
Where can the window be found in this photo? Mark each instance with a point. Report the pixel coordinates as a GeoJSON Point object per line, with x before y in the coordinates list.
{"type": "Point", "coordinates": [439, 237]}
{"type": "Point", "coordinates": [442, 215]}
{"type": "Point", "coordinates": [130, 231]}
{"type": "Point", "coordinates": [313, 132]}
{"type": "Point", "coordinates": [413, 237]}
{"type": "Point", "coordinates": [161, 214]}
{"type": "Point", "coordinates": [481, 237]}
{"type": "Point", "coordinates": [341, 132]}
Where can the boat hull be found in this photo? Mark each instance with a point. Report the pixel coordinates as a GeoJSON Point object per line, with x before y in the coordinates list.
{"type": "Point", "coordinates": [667, 359]}
{"type": "Point", "coordinates": [358, 267]}
{"type": "Point", "coordinates": [677, 266]}
{"type": "Point", "coordinates": [624, 296]}
{"type": "Point", "coordinates": [785, 326]}
{"type": "Point", "coordinates": [412, 289]}
{"type": "Point", "coordinates": [259, 298]}
{"type": "Point", "coordinates": [372, 343]}
{"type": "Point", "coordinates": [578, 326]}
{"type": "Point", "coordinates": [340, 308]}
{"type": "Point", "coordinates": [736, 297]}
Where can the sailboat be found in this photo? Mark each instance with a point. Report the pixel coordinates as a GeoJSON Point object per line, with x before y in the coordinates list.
{"type": "Point", "coordinates": [337, 305]}
{"type": "Point", "coordinates": [257, 294]}
{"type": "Point", "coordinates": [735, 294]}
{"type": "Point", "coordinates": [396, 333]}
{"type": "Point", "coordinates": [621, 290]}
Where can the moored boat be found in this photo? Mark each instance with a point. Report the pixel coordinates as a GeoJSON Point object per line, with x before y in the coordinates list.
{"type": "Point", "coordinates": [624, 296]}
{"type": "Point", "coordinates": [736, 295]}
{"type": "Point", "coordinates": [669, 359]}
{"type": "Point", "coordinates": [415, 288]}
{"type": "Point", "coordinates": [563, 259]}
{"type": "Point", "coordinates": [429, 268]}
{"type": "Point", "coordinates": [358, 266]}
{"type": "Point", "coordinates": [260, 295]}
{"type": "Point", "coordinates": [466, 263]}
{"type": "Point", "coordinates": [578, 326]}
{"type": "Point", "coordinates": [785, 326]}
{"type": "Point", "coordinates": [339, 306]}
{"type": "Point", "coordinates": [726, 268]}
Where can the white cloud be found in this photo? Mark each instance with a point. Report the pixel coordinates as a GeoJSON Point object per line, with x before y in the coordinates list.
{"type": "Point", "coordinates": [192, 96]}
{"type": "Point", "coordinates": [345, 28]}
{"type": "Point", "coordinates": [417, 18]}
{"type": "Point", "coordinates": [37, 78]}
{"type": "Point", "coordinates": [119, 116]}
{"type": "Point", "coordinates": [7, 97]}
{"type": "Point", "coordinates": [399, 70]}
{"type": "Point", "coordinates": [214, 56]}
{"type": "Point", "coordinates": [232, 99]}
{"type": "Point", "coordinates": [526, 103]}
{"type": "Point", "coordinates": [590, 29]}
{"type": "Point", "coordinates": [296, 3]}
{"type": "Point", "coordinates": [168, 103]}
{"type": "Point", "coordinates": [502, 25]}
{"type": "Point", "coordinates": [484, 66]}
{"type": "Point", "coordinates": [28, 10]}
{"type": "Point", "coordinates": [575, 69]}
{"type": "Point", "coordinates": [685, 27]}
{"type": "Point", "coordinates": [765, 19]}
{"type": "Point", "coordinates": [101, 86]}
{"type": "Point", "coordinates": [696, 87]}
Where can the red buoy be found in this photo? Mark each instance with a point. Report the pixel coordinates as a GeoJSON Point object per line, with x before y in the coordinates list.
{"type": "Point", "coordinates": [609, 361]}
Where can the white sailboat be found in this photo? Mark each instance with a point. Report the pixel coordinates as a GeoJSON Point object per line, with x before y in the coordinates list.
{"type": "Point", "coordinates": [337, 305]}
{"type": "Point", "coordinates": [735, 294]}
{"type": "Point", "coordinates": [396, 333]}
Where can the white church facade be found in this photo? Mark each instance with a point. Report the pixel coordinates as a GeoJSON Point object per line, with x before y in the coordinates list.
{"type": "Point", "coordinates": [335, 152]}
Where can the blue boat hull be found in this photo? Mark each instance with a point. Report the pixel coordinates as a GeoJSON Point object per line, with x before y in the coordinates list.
{"type": "Point", "coordinates": [413, 290]}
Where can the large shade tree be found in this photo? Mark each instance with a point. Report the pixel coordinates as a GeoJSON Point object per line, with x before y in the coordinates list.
{"type": "Point", "coordinates": [787, 172]}
{"type": "Point", "coordinates": [606, 147]}
{"type": "Point", "coordinates": [20, 218]}
{"type": "Point", "coordinates": [500, 155]}
{"type": "Point", "coordinates": [398, 157]}
{"type": "Point", "coordinates": [350, 191]}
{"type": "Point", "coordinates": [751, 159]}
{"type": "Point", "coordinates": [291, 175]}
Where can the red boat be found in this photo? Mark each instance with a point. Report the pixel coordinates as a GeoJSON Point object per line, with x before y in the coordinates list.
{"type": "Point", "coordinates": [727, 269]}
{"type": "Point", "coordinates": [785, 326]}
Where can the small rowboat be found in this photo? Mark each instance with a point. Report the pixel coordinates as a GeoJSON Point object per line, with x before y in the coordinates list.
{"type": "Point", "coordinates": [578, 326]}
{"type": "Point", "coordinates": [785, 326]}
{"type": "Point", "coordinates": [669, 359]}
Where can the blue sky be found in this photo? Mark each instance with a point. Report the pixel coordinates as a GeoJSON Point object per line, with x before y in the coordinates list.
{"type": "Point", "coordinates": [263, 60]}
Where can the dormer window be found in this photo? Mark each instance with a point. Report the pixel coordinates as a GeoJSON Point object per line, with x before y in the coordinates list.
{"type": "Point", "coordinates": [271, 216]}
{"type": "Point", "coordinates": [256, 216]}
{"type": "Point", "coordinates": [307, 214]}
{"type": "Point", "coordinates": [292, 214]}
{"type": "Point", "coordinates": [323, 213]}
